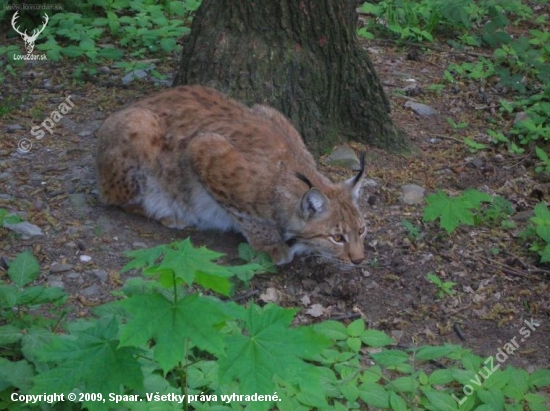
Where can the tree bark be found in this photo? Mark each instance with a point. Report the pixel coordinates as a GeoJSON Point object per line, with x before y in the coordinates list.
{"type": "Point", "coordinates": [301, 57]}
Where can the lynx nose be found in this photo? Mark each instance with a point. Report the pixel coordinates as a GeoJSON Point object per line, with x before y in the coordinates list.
{"type": "Point", "coordinates": [357, 261]}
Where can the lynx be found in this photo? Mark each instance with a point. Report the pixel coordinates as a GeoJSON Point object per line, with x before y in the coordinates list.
{"type": "Point", "coordinates": [191, 156]}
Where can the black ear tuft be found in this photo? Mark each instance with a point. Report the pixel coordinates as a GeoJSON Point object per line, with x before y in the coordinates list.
{"type": "Point", "coordinates": [361, 171]}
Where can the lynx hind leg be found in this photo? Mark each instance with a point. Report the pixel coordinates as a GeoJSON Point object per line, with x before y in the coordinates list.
{"type": "Point", "coordinates": [129, 141]}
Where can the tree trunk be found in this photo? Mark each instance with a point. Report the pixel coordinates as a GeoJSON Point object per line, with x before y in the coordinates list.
{"type": "Point", "coordinates": [301, 57]}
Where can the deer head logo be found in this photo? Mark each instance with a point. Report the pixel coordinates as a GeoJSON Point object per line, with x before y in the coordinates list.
{"type": "Point", "coordinates": [29, 40]}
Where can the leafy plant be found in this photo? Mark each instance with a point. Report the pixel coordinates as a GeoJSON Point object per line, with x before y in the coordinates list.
{"type": "Point", "coordinates": [163, 342]}
{"type": "Point", "coordinates": [413, 232]}
{"type": "Point", "coordinates": [541, 232]}
{"type": "Point", "coordinates": [107, 31]}
{"type": "Point", "coordinates": [473, 145]}
{"type": "Point", "coordinates": [10, 218]}
{"type": "Point", "coordinates": [473, 207]}
{"type": "Point", "coordinates": [453, 211]}
{"type": "Point", "coordinates": [445, 287]}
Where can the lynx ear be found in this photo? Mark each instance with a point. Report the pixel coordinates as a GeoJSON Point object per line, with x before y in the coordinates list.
{"type": "Point", "coordinates": [313, 203]}
{"type": "Point", "coordinates": [354, 183]}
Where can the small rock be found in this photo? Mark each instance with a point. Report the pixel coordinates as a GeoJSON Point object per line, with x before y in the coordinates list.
{"type": "Point", "coordinates": [524, 215]}
{"type": "Point", "coordinates": [70, 244]}
{"type": "Point", "coordinates": [369, 182]}
{"type": "Point", "coordinates": [56, 281]}
{"type": "Point", "coordinates": [25, 228]}
{"type": "Point", "coordinates": [73, 275]}
{"type": "Point", "coordinates": [316, 310]}
{"type": "Point", "coordinates": [139, 244]}
{"type": "Point", "coordinates": [434, 140]}
{"type": "Point", "coordinates": [271, 295]}
{"type": "Point", "coordinates": [421, 109]}
{"type": "Point", "coordinates": [90, 291]}
{"type": "Point", "coordinates": [60, 268]}
{"type": "Point", "coordinates": [79, 201]}
{"type": "Point", "coordinates": [412, 194]}
{"type": "Point", "coordinates": [475, 161]}
{"type": "Point", "coordinates": [101, 274]}
{"type": "Point", "coordinates": [5, 197]}
{"type": "Point", "coordinates": [85, 258]}
{"type": "Point", "coordinates": [10, 128]}
{"type": "Point", "coordinates": [396, 334]}
{"type": "Point", "coordinates": [85, 133]}
{"type": "Point", "coordinates": [343, 156]}
{"type": "Point", "coordinates": [136, 74]}
{"type": "Point", "coordinates": [521, 116]}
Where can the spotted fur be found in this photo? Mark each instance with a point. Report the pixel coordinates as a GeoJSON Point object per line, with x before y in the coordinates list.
{"type": "Point", "coordinates": [191, 156]}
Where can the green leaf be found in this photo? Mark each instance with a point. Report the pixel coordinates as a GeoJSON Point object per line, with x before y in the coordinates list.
{"type": "Point", "coordinates": [87, 44]}
{"type": "Point", "coordinates": [540, 378]}
{"type": "Point", "coordinates": [375, 338]}
{"type": "Point", "coordinates": [169, 324]}
{"type": "Point", "coordinates": [9, 334]}
{"type": "Point", "coordinates": [168, 44]}
{"type": "Point", "coordinates": [397, 403]}
{"type": "Point", "coordinates": [541, 211]}
{"type": "Point", "coordinates": [111, 53]}
{"type": "Point", "coordinates": [518, 383]}
{"type": "Point", "coordinates": [143, 258]}
{"type": "Point", "coordinates": [18, 374]}
{"type": "Point", "coordinates": [492, 397]}
{"type": "Point", "coordinates": [474, 145]}
{"type": "Point", "coordinates": [535, 398]}
{"type": "Point", "coordinates": [428, 353]}
{"type": "Point", "coordinates": [545, 254]}
{"type": "Point", "coordinates": [440, 401]}
{"type": "Point", "coordinates": [453, 211]}
{"type": "Point", "coordinates": [471, 362]}
{"type": "Point", "coordinates": [41, 295]}
{"type": "Point", "coordinates": [356, 328]}
{"type": "Point", "coordinates": [24, 269]}
{"type": "Point", "coordinates": [375, 395]}
{"type": "Point", "coordinates": [405, 384]}
{"type": "Point", "coordinates": [354, 343]}
{"type": "Point", "coordinates": [269, 348]}
{"type": "Point", "coordinates": [8, 296]}
{"type": "Point", "coordinates": [91, 362]}
{"type": "Point", "coordinates": [440, 377]}
{"type": "Point", "coordinates": [390, 357]}
{"type": "Point", "coordinates": [332, 329]}
{"type": "Point", "coordinates": [32, 341]}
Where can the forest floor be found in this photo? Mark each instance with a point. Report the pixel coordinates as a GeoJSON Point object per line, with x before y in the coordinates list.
{"type": "Point", "coordinates": [499, 283]}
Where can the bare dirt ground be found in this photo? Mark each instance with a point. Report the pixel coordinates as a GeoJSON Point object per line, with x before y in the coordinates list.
{"type": "Point", "coordinates": [499, 283]}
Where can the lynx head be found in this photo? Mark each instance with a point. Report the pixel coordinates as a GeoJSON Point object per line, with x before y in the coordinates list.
{"type": "Point", "coordinates": [328, 223]}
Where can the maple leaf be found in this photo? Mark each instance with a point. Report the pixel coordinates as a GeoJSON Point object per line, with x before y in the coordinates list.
{"type": "Point", "coordinates": [144, 258]}
{"type": "Point", "coordinates": [169, 324]}
{"type": "Point", "coordinates": [452, 211]}
{"type": "Point", "coordinates": [269, 349]}
{"type": "Point", "coordinates": [92, 362]}
{"type": "Point", "coordinates": [183, 263]}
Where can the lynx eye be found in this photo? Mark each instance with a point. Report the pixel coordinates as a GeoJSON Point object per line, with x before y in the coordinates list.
{"type": "Point", "coordinates": [361, 231]}
{"type": "Point", "coordinates": [338, 238]}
